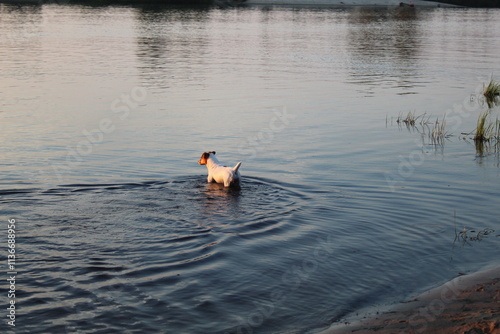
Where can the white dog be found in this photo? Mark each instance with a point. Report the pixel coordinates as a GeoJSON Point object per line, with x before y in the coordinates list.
{"type": "Point", "coordinates": [220, 174]}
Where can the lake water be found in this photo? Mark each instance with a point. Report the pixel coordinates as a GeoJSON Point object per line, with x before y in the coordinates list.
{"type": "Point", "coordinates": [104, 112]}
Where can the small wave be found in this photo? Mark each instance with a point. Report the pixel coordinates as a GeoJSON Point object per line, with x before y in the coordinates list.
{"type": "Point", "coordinates": [168, 242]}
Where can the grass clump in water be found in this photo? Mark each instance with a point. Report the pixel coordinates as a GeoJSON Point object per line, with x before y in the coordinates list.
{"type": "Point", "coordinates": [467, 235]}
{"type": "Point", "coordinates": [439, 133]}
{"type": "Point", "coordinates": [409, 120]}
{"type": "Point", "coordinates": [435, 131]}
{"type": "Point", "coordinates": [481, 128]}
{"type": "Point", "coordinates": [487, 135]}
{"type": "Point", "coordinates": [491, 91]}
{"type": "Point", "coordinates": [486, 130]}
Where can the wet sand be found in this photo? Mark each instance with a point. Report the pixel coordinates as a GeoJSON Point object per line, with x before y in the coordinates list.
{"type": "Point", "coordinates": [468, 304]}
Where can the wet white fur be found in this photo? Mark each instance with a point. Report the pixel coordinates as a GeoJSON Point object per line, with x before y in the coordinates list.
{"type": "Point", "coordinates": [220, 174]}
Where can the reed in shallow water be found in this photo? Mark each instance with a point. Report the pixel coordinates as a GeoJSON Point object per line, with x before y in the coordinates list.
{"type": "Point", "coordinates": [439, 134]}
{"type": "Point", "coordinates": [409, 120]}
{"type": "Point", "coordinates": [486, 130]}
{"type": "Point", "coordinates": [491, 91]}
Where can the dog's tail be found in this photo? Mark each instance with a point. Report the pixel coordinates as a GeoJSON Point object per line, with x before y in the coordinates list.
{"type": "Point", "coordinates": [235, 168]}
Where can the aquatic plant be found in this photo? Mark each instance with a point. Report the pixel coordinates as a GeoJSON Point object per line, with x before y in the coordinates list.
{"type": "Point", "coordinates": [486, 135]}
{"type": "Point", "coordinates": [492, 90]}
{"type": "Point", "coordinates": [409, 120]}
{"type": "Point", "coordinates": [438, 134]}
{"type": "Point", "coordinates": [467, 235]}
{"type": "Point", "coordinates": [491, 93]}
{"type": "Point", "coordinates": [486, 130]}
{"type": "Point", "coordinates": [481, 128]}
{"type": "Point", "coordinates": [434, 131]}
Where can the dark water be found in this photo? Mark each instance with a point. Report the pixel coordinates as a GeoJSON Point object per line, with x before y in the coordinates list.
{"type": "Point", "coordinates": [105, 111]}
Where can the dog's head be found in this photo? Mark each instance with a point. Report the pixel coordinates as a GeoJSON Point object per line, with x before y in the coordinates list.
{"type": "Point", "coordinates": [204, 158]}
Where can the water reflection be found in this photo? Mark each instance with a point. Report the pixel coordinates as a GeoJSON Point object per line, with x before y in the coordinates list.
{"type": "Point", "coordinates": [487, 148]}
{"type": "Point", "coordinates": [21, 30]}
{"type": "Point", "coordinates": [170, 234]}
{"type": "Point", "coordinates": [220, 202]}
{"type": "Point", "coordinates": [20, 16]}
{"type": "Point", "coordinates": [384, 47]}
{"type": "Point", "coordinates": [492, 101]}
{"type": "Point", "coordinates": [166, 42]}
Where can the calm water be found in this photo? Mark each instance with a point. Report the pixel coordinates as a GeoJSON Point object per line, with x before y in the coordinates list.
{"type": "Point", "coordinates": [104, 113]}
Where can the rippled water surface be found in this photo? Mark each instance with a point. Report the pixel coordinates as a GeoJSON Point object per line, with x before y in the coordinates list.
{"type": "Point", "coordinates": [104, 112]}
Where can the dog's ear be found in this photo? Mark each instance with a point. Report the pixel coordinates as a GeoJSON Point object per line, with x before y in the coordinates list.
{"type": "Point", "coordinates": [213, 152]}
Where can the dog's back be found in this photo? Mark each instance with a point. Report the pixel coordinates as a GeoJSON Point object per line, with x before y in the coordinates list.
{"type": "Point", "coordinates": [234, 178]}
{"type": "Point", "coordinates": [230, 176]}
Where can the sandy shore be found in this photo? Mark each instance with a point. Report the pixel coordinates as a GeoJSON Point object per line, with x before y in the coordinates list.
{"type": "Point", "coordinates": [468, 304]}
